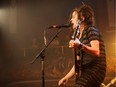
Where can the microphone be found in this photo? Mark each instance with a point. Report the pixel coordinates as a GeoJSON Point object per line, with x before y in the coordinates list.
{"type": "Point", "coordinates": [60, 26]}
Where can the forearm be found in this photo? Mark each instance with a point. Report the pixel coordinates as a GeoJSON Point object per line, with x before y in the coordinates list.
{"type": "Point", "coordinates": [71, 73]}
{"type": "Point", "coordinates": [91, 50]}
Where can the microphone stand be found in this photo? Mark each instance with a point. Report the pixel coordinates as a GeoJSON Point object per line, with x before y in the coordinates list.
{"type": "Point", "coordinates": [42, 56]}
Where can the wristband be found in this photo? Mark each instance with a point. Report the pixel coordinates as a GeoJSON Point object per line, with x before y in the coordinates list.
{"type": "Point", "coordinates": [80, 46]}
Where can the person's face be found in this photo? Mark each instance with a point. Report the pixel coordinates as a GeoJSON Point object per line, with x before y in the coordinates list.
{"type": "Point", "coordinates": [74, 19]}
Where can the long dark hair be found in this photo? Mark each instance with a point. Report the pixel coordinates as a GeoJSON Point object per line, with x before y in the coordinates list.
{"type": "Point", "coordinates": [88, 13]}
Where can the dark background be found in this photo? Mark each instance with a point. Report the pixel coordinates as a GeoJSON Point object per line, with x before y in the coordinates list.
{"type": "Point", "coordinates": [22, 27]}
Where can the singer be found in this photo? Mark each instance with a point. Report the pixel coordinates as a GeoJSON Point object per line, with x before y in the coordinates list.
{"type": "Point", "coordinates": [90, 49]}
